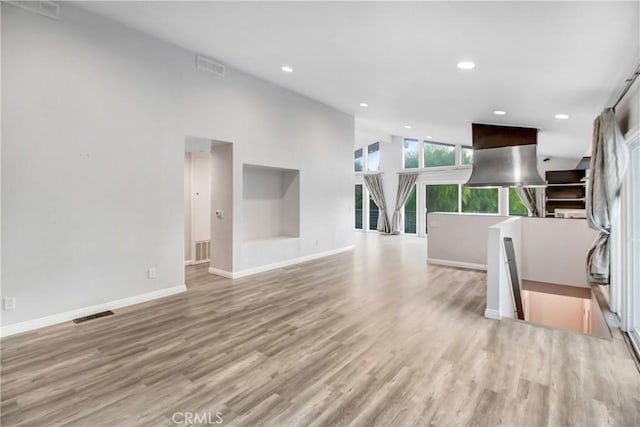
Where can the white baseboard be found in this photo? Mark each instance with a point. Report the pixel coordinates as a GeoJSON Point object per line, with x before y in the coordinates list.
{"type": "Point", "coordinates": [67, 316]}
{"type": "Point", "coordinates": [222, 273]}
{"type": "Point", "coordinates": [263, 268]}
{"type": "Point", "coordinates": [192, 262]}
{"type": "Point", "coordinates": [490, 313]}
{"type": "Point", "coordinates": [459, 264]}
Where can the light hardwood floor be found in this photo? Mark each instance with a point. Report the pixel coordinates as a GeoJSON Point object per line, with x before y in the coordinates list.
{"type": "Point", "coordinates": [372, 337]}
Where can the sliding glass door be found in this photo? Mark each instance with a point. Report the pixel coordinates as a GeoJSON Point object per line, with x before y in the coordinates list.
{"type": "Point", "coordinates": [358, 207]}
{"type": "Point", "coordinates": [411, 213]}
{"type": "Point", "coordinates": [373, 214]}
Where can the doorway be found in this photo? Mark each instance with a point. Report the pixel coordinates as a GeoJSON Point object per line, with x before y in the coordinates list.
{"type": "Point", "coordinates": [197, 201]}
{"type": "Point", "coordinates": [208, 209]}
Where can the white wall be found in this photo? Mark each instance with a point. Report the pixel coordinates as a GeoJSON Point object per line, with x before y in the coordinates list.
{"type": "Point", "coordinates": [459, 239]}
{"type": "Point", "coordinates": [94, 121]}
{"type": "Point", "coordinates": [222, 244]}
{"type": "Point", "coordinates": [366, 134]}
{"type": "Point", "coordinates": [555, 250]}
{"type": "Point", "coordinates": [628, 111]}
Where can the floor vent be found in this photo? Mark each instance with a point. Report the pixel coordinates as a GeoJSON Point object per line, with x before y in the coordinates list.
{"type": "Point", "coordinates": [209, 65]}
{"type": "Point", "coordinates": [44, 8]}
{"type": "Point", "coordinates": [93, 316]}
{"type": "Point", "coordinates": [202, 250]}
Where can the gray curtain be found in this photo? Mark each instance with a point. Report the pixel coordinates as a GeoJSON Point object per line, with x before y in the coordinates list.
{"type": "Point", "coordinates": [529, 198]}
{"type": "Point", "coordinates": [406, 181]}
{"type": "Point", "coordinates": [609, 158]}
{"type": "Point", "coordinates": [374, 185]}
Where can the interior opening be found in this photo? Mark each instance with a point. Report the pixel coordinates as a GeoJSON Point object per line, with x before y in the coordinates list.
{"type": "Point", "coordinates": [197, 200]}
{"type": "Point", "coordinates": [208, 207]}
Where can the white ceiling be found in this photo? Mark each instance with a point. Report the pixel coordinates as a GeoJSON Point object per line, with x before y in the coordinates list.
{"type": "Point", "coordinates": [533, 59]}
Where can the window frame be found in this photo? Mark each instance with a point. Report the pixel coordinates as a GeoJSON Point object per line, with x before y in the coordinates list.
{"type": "Point", "coordinates": [456, 156]}
{"type": "Point", "coordinates": [472, 189]}
{"type": "Point", "coordinates": [379, 156]}
{"type": "Point", "coordinates": [364, 160]}
{"type": "Point", "coordinates": [465, 147]}
{"type": "Point", "coordinates": [420, 145]}
{"type": "Point", "coordinates": [508, 195]}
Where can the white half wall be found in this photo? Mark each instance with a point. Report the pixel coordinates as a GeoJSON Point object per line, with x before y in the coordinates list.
{"type": "Point", "coordinates": [95, 117]}
{"type": "Point", "coordinates": [459, 240]}
{"type": "Point", "coordinates": [555, 250]}
{"type": "Point", "coordinates": [499, 290]}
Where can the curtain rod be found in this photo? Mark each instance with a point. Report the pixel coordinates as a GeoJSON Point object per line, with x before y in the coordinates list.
{"type": "Point", "coordinates": [628, 83]}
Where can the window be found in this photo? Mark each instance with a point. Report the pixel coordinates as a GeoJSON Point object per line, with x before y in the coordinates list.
{"type": "Point", "coordinates": [466, 156]}
{"type": "Point", "coordinates": [358, 160]}
{"type": "Point", "coordinates": [479, 200]}
{"type": "Point", "coordinates": [358, 209]}
{"type": "Point", "coordinates": [373, 156]}
{"type": "Point", "coordinates": [410, 213]}
{"type": "Point", "coordinates": [437, 154]}
{"type": "Point", "coordinates": [441, 198]}
{"type": "Point", "coordinates": [373, 215]}
{"type": "Point", "coordinates": [411, 153]}
{"type": "Point", "coordinates": [516, 207]}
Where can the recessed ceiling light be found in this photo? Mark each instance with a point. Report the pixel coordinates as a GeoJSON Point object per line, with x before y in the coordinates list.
{"type": "Point", "coordinates": [364, 104]}
{"type": "Point", "coordinates": [499, 113]}
{"type": "Point", "coordinates": [287, 69]}
{"type": "Point", "coordinates": [429, 137]}
{"type": "Point", "coordinates": [407, 126]}
{"type": "Point", "coordinates": [561, 116]}
{"type": "Point", "coordinates": [466, 65]}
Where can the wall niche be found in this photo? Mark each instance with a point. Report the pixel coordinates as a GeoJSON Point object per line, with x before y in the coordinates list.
{"type": "Point", "coordinates": [270, 202]}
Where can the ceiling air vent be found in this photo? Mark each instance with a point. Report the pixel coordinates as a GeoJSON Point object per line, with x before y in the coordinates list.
{"type": "Point", "coordinates": [209, 66]}
{"type": "Point", "coordinates": [44, 8]}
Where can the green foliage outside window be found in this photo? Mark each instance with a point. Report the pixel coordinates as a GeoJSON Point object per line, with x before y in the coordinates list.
{"type": "Point", "coordinates": [410, 212]}
{"type": "Point", "coordinates": [441, 198]}
{"type": "Point", "coordinates": [479, 200]}
{"type": "Point", "coordinates": [439, 155]}
{"type": "Point", "coordinates": [358, 194]}
{"type": "Point", "coordinates": [373, 215]}
{"type": "Point", "coordinates": [466, 156]}
{"type": "Point", "coordinates": [516, 207]}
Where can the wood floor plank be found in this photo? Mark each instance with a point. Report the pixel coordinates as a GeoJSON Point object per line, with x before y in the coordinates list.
{"type": "Point", "coordinates": [371, 337]}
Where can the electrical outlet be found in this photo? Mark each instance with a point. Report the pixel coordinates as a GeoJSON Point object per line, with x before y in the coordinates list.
{"type": "Point", "coordinates": [152, 273]}
{"type": "Point", "coordinates": [9, 303]}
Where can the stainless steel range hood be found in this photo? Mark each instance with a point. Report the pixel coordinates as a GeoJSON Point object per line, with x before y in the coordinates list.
{"type": "Point", "coordinates": [504, 156]}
